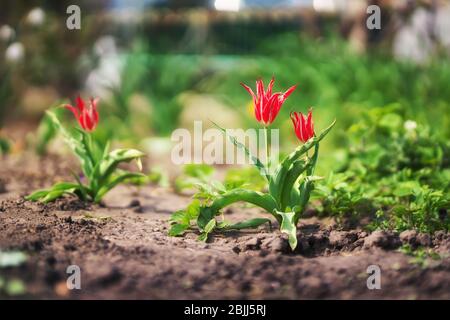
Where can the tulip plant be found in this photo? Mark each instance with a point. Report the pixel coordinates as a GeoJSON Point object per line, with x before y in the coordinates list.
{"type": "Point", "coordinates": [100, 172]}
{"type": "Point", "coordinates": [289, 187]}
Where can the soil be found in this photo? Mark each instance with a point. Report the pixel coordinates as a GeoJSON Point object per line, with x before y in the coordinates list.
{"type": "Point", "coordinates": [124, 251]}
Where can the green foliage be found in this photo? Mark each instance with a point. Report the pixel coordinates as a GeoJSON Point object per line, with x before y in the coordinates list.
{"type": "Point", "coordinates": [181, 220]}
{"type": "Point", "coordinates": [46, 131]}
{"type": "Point", "coordinates": [12, 287]}
{"type": "Point", "coordinates": [248, 224]}
{"type": "Point", "coordinates": [342, 199]}
{"type": "Point", "coordinates": [194, 176]}
{"type": "Point", "coordinates": [289, 226]}
{"type": "Point", "coordinates": [321, 67]}
{"type": "Point", "coordinates": [4, 146]}
{"type": "Point", "coordinates": [158, 176]}
{"type": "Point", "coordinates": [160, 78]}
{"type": "Point", "coordinates": [6, 95]}
{"type": "Point", "coordinates": [99, 167]}
{"type": "Point", "coordinates": [420, 256]}
{"type": "Point", "coordinates": [396, 172]}
{"type": "Point", "coordinates": [422, 209]}
{"type": "Point", "coordinates": [11, 259]}
{"type": "Point", "coordinates": [254, 159]}
{"type": "Point", "coordinates": [248, 177]}
{"type": "Point", "coordinates": [289, 189]}
{"type": "Point", "coordinates": [163, 91]}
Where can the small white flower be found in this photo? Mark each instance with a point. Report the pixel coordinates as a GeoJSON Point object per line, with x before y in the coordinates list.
{"type": "Point", "coordinates": [36, 17]}
{"type": "Point", "coordinates": [410, 125]}
{"type": "Point", "coordinates": [6, 33]}
{"type": "Point", "coordinates": [15, 52]}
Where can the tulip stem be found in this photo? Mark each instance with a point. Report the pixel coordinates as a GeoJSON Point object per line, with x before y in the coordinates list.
{"type": "Point", "coordinates": [266, 145]}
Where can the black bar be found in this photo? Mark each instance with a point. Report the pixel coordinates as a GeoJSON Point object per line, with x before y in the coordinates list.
{"type": "Point", "coordinates": [191, 309]}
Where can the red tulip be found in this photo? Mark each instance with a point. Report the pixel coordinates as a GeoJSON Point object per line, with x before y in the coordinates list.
{"type": "Point", "coordinates": [267, 104]}
{"type": "Point", "coordinates": [304, 126]}
{"type": "Point", "coordinates": [87, 116]}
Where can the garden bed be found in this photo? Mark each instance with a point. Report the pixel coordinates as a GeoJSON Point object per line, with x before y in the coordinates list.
{"type": "Point", "coordinates": [124, 251]}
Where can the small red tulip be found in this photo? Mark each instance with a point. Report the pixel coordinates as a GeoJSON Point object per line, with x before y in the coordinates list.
{"type": "Point", "coordinates": [304, 126]}
{"type": "Point", "coordinates": [267, 104]}
{"type": "Point", "coordinates": [87, 116]}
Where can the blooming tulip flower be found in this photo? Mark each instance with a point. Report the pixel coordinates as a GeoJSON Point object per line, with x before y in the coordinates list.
{"type": "Point", "coordinates": [87, 116]}
{"type": "Point", "coordinates": [267, 104]}
{"type": "Point", "coordinates": [99, 165]}
{"type": "Point", "coordinates": [303, 125]}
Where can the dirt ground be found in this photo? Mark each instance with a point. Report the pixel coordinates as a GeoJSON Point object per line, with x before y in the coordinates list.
{"type": "Point", "coordinates": [124, 252]}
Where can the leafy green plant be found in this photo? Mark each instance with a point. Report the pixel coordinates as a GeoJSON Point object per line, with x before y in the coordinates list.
{"type": "Point", "coordinates": [288, 188]}
{"type": "Point", "coordinates": [193, 176]}
{"type": "Point", "coordinates": [248, 177]}
{"type": "Point", "coordinates": [155, 176]}
{"type": "Point", "coordinates": [99, 167]}
{"type": "Point", "coordinates": [396, 172]}
{"type": "Point", "coordinates": [46, 131]}
{"type": "Point", "coordinates": [288, 193]}
{"type": "Point", "coordinates": [343, 199]}
{"type": "Point", "coordinates": [417, 207]}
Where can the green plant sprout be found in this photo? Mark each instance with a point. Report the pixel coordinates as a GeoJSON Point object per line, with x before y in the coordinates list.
{"type": "Point", "coordinates": [99, 165]}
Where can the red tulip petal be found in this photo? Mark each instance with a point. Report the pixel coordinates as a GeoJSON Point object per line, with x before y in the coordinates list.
{"type": "Point", "coordinates": [269, 87]}
{"type": "Point", "coordinates": [304, 128]}
{"type": "Point", "coordinates": [275, 106]}
{"type": "Point", "coordinates": [73, 109]}
{"type": "Point", "coordinates": [310, 125]}
{"type": "Point", "coordinates": [82, 122]}
{"type": "Point", "coordinates": [265, 111]}
{"type": "Point", "coordinates": [292, 116]}
{"type": "Point", "coordinates": [257, 112]}
{"type": "Point", "coordinates": [255, 102]}
{"type": "Point", "coordinates": [298, 126]}
{"type": "Point", "coordinates": [249, 90]}
{"type": "Point", "coordinates": [87, 121]}
{"type": "Point", "coordinates": [294, 122]}
{"type": "Point", "coordinates": [80, 104]}
{"type": "Point", "coordinates": [95, 116]}
{"type": "Point", "coordinates": [288, 92]}
{"type": "Point", "coordinates": [260, 89]}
